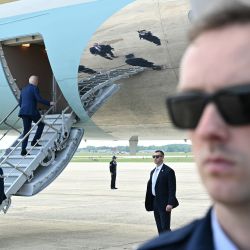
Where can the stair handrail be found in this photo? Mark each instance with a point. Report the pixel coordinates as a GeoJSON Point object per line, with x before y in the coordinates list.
{"type": "Point", "coordinates": [27, 134]}
{"type": "Point", "coordinates": [102, 83]}
{"type": "Point", "coordinates": [9, 125]}
{"type": "Point", "coordinates": [16, 167]}
{"type": "Point", "coordinates": [6, 117]}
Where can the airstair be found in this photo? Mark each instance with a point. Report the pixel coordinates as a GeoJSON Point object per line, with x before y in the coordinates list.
{"type": "Point", "coordinates": [94, 91]}
{"type": "Point", "coordinates": [28, 175]}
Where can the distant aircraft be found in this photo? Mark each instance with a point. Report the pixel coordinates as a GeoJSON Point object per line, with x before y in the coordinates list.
{"type": "Point", "coordinates": [51, 39]}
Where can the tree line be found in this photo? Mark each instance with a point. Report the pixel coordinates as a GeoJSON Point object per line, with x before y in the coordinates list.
{"type": "Point", "coordinates": [186, 148]}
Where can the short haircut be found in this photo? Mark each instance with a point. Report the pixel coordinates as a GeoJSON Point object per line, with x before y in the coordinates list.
{"type": "Point", "coordinates": [159, 151]}
{"type": "Point", "coordinates": [33, 79]}
{"type": "Point", "coordinates": [231, 14]}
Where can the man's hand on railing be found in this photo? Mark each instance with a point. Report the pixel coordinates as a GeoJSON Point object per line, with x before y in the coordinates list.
{"type": "Point", "coordinates": [52, 103]}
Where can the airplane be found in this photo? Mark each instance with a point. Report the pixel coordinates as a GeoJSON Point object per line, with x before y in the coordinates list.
{"type": "Point", "coordinates": [78, 48]}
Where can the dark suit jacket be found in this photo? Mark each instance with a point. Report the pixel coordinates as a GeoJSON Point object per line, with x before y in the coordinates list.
{"type": "Point", "coordinates": [195, 236]}
{"type": "Point", "coordinates": [2, 194]}
{"type": "Point", "coordinates": [112, 167]}
{"type": "Point", "coordinates": [29, 98]}
{"type": "Point", "coordinates": [104, 49]}
{"type": "Point", "coordinates": [165, 189]}
{"type": "Point", "coordinates": [137, 61]}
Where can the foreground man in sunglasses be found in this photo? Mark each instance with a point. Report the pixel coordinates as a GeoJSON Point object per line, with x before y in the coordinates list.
{"type": "Point", "coordinates": [161, 190]}
{"type": "Point", "coordinates": [214, 104]}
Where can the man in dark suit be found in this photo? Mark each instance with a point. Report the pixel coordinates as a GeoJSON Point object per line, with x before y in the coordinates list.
{"type": "Point", "coordinates": [147, 35]}
{"type": "Point", "coordinates": [102, 50]}
{"type": "Point", "coordinates": [213, 104]}
{"type": "Point", "coordinates": [138, 61]}
{"type": "Point", "coordinates": [112, 169]}
{"type": "Point", "coordinates": [2, 194]}
{"type": "Point", "coordinates": [28, 111]}
{"type": "Point", "coordinates": [195, 236]}
{"type": "Point", "coordinates": [160, 195]}
{"type": "Point", "coordinates": [83, 69]}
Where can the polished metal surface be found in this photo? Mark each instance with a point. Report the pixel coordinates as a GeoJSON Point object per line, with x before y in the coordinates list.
{"type": "Point", "coordinates": [138, 108]}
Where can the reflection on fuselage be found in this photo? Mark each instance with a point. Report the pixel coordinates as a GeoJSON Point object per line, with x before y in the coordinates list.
{"type": "Point", "coordinates": [83, 69]}
{"type": "Point", "coordinates": [148, 34]}
{"type": "Point", "coordinates": [102, 50]}
{"type": "Point", "coordinates": [137, 61]}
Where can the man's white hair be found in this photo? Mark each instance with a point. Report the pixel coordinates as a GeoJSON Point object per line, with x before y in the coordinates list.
{"type": "Point", "coordinates": [33, 79]}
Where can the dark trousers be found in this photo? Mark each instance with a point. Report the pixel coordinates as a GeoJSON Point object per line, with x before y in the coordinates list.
{"type": "Point", "coordinates": [2, 194]}
{"type": "Point", "coordinates": [27, 121]}
{"type": "Point", "coordinates": [162, 219]}
{"type": "Point", "coordinates": [111, 53]}
{"type": "Point", "coordinates": [113, 178]}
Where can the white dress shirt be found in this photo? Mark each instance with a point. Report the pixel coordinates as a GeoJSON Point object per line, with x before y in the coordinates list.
{"type": "Point", "coordinates": [221, 240]}
{"type": "Point", "coordinates": [155, 176]}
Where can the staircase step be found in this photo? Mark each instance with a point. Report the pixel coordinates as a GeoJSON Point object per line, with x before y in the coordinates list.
{"type": "Point", "coordinates": [47, 131]}
{"type": "Point", "coordinates": [42, 140]}
{"type": "Point", "coordinates": [28, 148]}
{"type": "Point", "coordinates": [6, 166]}
{"type": "Point", "coordinates": [18, 156]}
{"type": "Point", "coordinates": [54, 116]}
{"type": "Point", "coordinates": [11, 178]}
{"type": "Point", "coordinates": [10, 170]}
{"type": "Point", "coordinates": [7, 184]}
{"type": "Point", "coordinates": [55, 123]}
{"type": "Point", "coordinates": [33, 151]}
{"type": "Point", "coordinates": [17, 159]}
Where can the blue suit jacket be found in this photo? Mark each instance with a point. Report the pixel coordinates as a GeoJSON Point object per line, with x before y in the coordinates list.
{"type": "Point", "coordinates": [195, 236]}
{"type": "Point", "coordinates": [28, 101]}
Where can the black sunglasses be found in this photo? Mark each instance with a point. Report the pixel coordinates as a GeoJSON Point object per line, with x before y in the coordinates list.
{"type": "Point", "coordinates": [233, 103]}
{"type": "Point", "coordinates": [156, 156]}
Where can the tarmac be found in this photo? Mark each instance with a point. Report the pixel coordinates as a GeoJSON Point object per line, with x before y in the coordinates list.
{"type": "Point", "coordinates": [80, 211]}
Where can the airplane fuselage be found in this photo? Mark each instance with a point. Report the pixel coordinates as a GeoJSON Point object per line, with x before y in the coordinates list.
{"type": "Point", "coordinates": [60, 38]}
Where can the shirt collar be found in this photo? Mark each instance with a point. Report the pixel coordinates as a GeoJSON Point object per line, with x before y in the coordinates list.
{"type": "Point", "coordinates": [159, 167]}
{"type": "Point", "coordinates": [221, 240]}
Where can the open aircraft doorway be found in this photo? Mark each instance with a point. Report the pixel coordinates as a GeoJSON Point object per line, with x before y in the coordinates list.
{"type": "Point", "coordinates": [28, 174]}
{"type": "Point", "coordinates": [26, 56]}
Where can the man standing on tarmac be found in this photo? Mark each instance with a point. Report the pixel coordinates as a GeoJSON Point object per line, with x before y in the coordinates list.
{"type": "Point", "coordinates": [213, 103]}
{"type": "Point", "coordinates": [112, 169]}
{"type": "Point", "coordinates": [161, 190]}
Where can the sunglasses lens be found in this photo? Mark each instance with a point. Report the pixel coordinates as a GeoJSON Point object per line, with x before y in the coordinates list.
{"type": "Point", "coordinates": [233, 103]}
{"type": "Point", "coordinates": [235, 108]}
{"type": "Point", "coordinates": [156, 156]}
{"type": "Point", "coordinates": [185, 110]}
